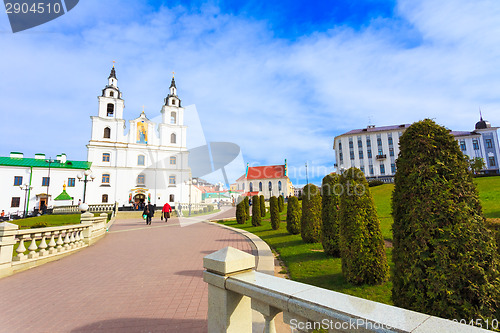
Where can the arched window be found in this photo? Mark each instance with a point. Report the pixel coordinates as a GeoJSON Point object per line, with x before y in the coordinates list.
{"type": "Point", "coordinates": [173, 101]}
{"type": "Point", "coordinates": [270, 187]}
{"type": "Point", "coordinates": [105, 178]}
{"type": "Point", "coordinates": [251, 187]}
{"type": "Point", "coordinates": [171, 198]}
{"type": "Point", "coordinates": [173, 118]}
{"type": "Point", "coordinates": [140, 160]}
{"type": "Point", "coordinates": [173, 160]}
{"type": "Point", "coordinates": [173, 138]}
{"type": "Point", "coordinates": [107, 133]}
{"type": "Point", "coordinates": [105, 157]}
{"type": "Point", "coordinates": [260, 186]}
{"type": "Point", "coordinates": [111, 94]}
{"type": "Point", "coordinates": [279, 186]}
{"type": "Point", "coordinates": [111, 109]}
{"type": "Point", "coordinates": [104, 198]}
{"type": "Point", "coordinates": [141, 179]}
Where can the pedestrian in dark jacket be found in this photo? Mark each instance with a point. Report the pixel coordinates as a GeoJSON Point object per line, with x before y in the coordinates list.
{"type": "Point", "coordinates": [149, 211]}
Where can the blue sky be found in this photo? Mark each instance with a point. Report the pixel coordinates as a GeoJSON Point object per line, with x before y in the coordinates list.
{"type": "Point", "coordinates": [280, 79]}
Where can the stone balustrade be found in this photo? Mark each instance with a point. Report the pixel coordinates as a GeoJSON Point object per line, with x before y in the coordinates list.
{"type": "Point", "coordinates": [93, 208]}
{"type": "Point", "coordinates": [26, 248]}
{"type": "Point", "coordinates": [235, 288]}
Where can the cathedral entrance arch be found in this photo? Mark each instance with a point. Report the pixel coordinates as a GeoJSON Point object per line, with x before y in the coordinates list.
{"type": "Point", "coordinates": [140, 198]}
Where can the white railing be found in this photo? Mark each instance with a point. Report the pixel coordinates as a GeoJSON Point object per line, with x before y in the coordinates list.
{"type": "Point", "coordinates": [39, 245]}
{"type": "Point", "coordinates": [235, 288]}
{"type": "Point", "coordinates": [93, 208]}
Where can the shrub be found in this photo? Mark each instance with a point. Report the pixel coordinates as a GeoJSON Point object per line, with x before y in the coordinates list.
{"type": "Point", "coordinates": [205, 209]}
{"type": "Point", "coordinates": [247, 208]}
{"type": "Point", "coordinates": [362, 247]}
{"type": "Point", "coordinates": [256, 218]}
{"type": "Point", "coordinates": [293, 216]}
{"type": "Point", "coordinates": [275, 214]}
{"type": "Point", "coordinates": [310, 228]}
{"type": "Point", "coordinates": [210, 208]}
{"type": "Point", "coordinates": [281, 203]}
{"type": "Point", "coordinates": [42, 224]}
{"type": "Point", "coordinates": [330, 215]}
{"type": "Point", "coordinates": [375, 182]}
{"type": "Point", "coordinates": [262, 206]}
{"type": "Point", "coordinates": [445, 261]}
{"type": "Point", "coordinates": [240, 213]}
{"type": "Point", "coordinates": [494, 227]}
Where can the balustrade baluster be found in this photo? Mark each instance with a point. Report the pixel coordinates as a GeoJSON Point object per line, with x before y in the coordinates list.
{"type": "Point", "coordinates": [72, 239]}
{"type": "Point", "coordinates": [59, 243]}
{"type": "Point", "coordinates": [77, 238]}
{"type": "Point", "coordinates": [52, 244]}
{"type": "Point", "coordinates": [32, 248]}
{"type": "Point", "coordinates": [20, 250]}
{"type": "Point", "coordinates": [66, 241]}
{"type": "Point", "coordinates": [43, 246]}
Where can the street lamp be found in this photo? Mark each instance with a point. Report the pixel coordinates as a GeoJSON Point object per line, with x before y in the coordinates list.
{"type": "Point", "coordinates": [25, 188]}
{"type": "Point", "coordinates": [191, 182]}
{"type": "Point", "coordinates": [50, 161]}
{"type": "Point", "coordinates": [84, 175]}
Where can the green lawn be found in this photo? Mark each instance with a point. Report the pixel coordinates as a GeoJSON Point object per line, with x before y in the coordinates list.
{"type": "Point", "coordinates": [50, 220]}
{"type": "Point", "coordinates": [308, 264]}
{"type": "Point", "coordinates": [489, 194]}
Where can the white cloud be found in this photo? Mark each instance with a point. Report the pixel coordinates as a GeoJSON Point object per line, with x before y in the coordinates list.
{"type": "Point", "coordinates": [276, 98]}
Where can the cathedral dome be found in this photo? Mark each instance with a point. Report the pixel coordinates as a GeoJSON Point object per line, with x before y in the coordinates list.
{"type": "Point", "coordinates": [482, 124]}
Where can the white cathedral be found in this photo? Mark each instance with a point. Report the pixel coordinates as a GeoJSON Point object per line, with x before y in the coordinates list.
{"type": "Point", "coordinates": [147, 163]}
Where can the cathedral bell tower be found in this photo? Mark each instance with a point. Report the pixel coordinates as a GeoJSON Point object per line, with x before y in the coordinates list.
{"type": "Point", "coordinates": [172, 129]}
{"type": "Point", "coordinates": [111, 104]}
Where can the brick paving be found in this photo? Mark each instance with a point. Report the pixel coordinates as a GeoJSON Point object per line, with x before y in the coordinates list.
{"type": "Point", "coordinates": [136, 279]}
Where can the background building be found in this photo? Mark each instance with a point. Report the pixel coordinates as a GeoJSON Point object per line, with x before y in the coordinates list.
{"type": "Point", "coordinates": [25, 182]}
{"type": "Point", "coordinates": [269, 181]}
{"type": "Point", "coordinates": [374, 150]}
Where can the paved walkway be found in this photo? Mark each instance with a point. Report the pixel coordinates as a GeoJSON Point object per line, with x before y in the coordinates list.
{"type": "Point", "coordinates": [136, 279]}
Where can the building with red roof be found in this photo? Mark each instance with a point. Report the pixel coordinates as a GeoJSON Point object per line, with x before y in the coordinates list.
{"type": "Point", "coordinates": [270, 180]}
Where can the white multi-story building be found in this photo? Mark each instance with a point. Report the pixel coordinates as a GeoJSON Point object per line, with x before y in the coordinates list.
{"type": "Point", "coordinates": [149, 162]}
{"type": "Point", "coordinates": [374, 150]}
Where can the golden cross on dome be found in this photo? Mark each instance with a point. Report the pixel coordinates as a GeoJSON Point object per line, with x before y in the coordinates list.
{"type": "Point", "coordinates": [114, 64]}
{"type": "Point", "coordinates": [173, 74]}
{"type": "Point", "coordinates": [143, 109]}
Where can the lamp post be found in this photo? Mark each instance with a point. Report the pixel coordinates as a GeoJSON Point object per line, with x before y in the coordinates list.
{"type": "Point", "coordinates": [85, 180]}
{"type": "Point", "coordinates": [307, 180]}
{"type": "Point", "coordinates": [25, 188]}
{"type": "Point", "coordinates": [50, 161]}
{"type": "Point", "coordinates": [190, 182]}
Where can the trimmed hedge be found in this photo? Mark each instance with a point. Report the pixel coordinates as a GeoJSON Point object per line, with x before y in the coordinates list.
{"type": "Point", "coordinates": [240, 213]}
{"type": "Point", "coordinates": [376, 182]}
{"type": "Point", "coordinates": [310, 222]}
{"type": "Point", "coordinates": [247, 207]}
{"type": "Point", "coordinates": [362, 248]}
{"type": "Point", "coordinates": [281, 203]}
{"type": "Point", "coordinates": [275, 214]}
{"type": "Point", "coordinates": [445, 260]}
{"type": "Point", "coordinates": [262, 206]}
{"type": "Point", "coordinates": [293, 216]}
{"type": "Point", "coordinates": [256, 217]}
{"type": "Point", "coordinates": [330, 214]}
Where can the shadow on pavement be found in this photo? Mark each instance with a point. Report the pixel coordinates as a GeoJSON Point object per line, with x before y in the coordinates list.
{"type": "Point", "coordinates": [166, 325]}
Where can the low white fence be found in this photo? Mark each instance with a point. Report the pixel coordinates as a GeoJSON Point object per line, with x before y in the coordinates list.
{"type": "Point", "coordinates": [45, 244]}
{"type": "Point", "coordinates": [235, 288]}
{"type": "Point", "coordinates": [94, 208]}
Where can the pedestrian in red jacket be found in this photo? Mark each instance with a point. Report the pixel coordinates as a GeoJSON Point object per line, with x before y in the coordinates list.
{"type": "Point", "coordinates": [165, 212]}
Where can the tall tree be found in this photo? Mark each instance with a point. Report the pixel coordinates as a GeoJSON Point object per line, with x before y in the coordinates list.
{"type": "Point", "coordinates": [330, 190]}
{"type": "Point", "coordinates": [310, 229]}
{"type": "Point", "coordinates": [445, 260]}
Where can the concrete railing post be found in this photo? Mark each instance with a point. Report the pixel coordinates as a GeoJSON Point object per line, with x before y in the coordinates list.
{"type": "Point", "coordinates": [7, 242]}
{"type": "Point", "coordinates": [227, 311]}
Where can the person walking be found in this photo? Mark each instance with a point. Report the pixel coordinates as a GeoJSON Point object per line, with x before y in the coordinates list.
{"type": "Point", "coordinates": [165, 212]}
{"type": "Point", "coordinates": [179, 209]}
{"type": "Point", "coordinates": [149, 211]}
